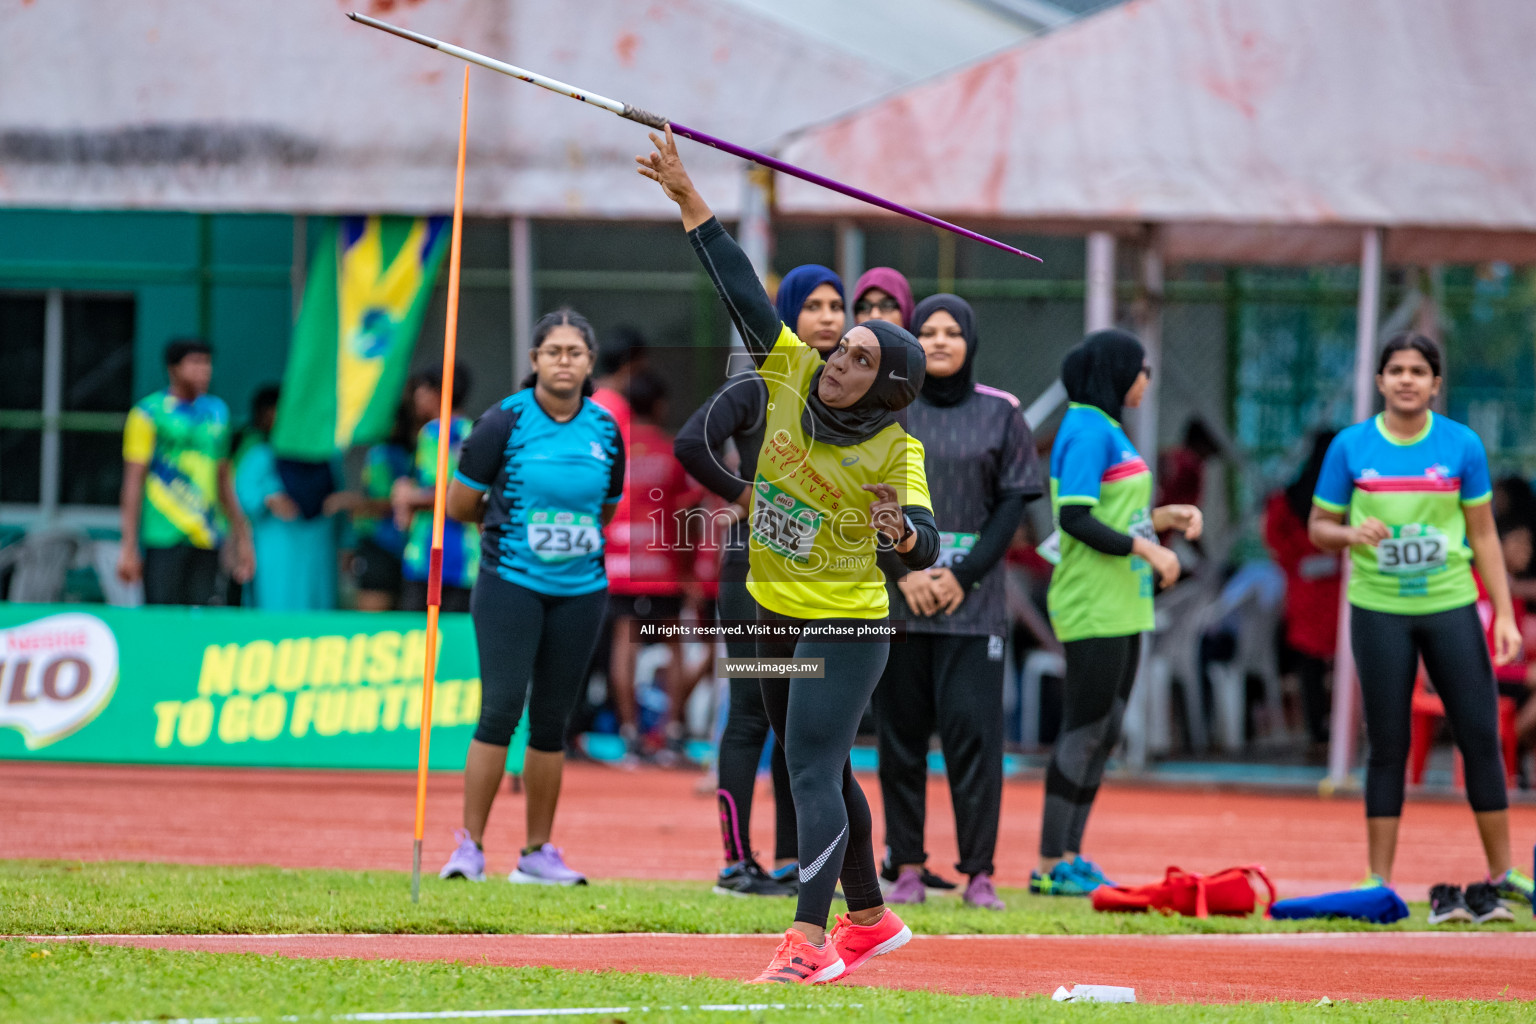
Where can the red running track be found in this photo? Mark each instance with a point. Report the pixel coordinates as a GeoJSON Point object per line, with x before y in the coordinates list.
{"type": "Point", "coordinates": [653, 824]}
{"type": "Point", "coordinates": [1162, 969]}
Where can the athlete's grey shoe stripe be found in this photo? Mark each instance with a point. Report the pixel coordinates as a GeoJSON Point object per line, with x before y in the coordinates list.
{"type": "Point", "coordinates": [808, 872]}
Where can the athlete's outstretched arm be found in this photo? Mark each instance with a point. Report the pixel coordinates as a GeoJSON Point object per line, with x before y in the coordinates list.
{"type": "Point", "coordinates": [733, 407]}
{"type": "Point", "coordinates": [736, 282]}
{"type": "Point", "coordinates": [728, 267]}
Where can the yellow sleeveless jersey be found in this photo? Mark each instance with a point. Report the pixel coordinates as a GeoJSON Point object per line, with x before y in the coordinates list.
{"type": "Point", "coordinates": [812, 548]}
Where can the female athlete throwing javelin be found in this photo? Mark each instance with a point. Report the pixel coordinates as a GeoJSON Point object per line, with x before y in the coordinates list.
{"type": "Point", "coordinates": [1416, 489]}
{"type": "Point", "coordinates": [831, 434]}
{"type": "Point", "coordinates": [542, 471]}
{"type": "Point", "coordinates": [811, 297]}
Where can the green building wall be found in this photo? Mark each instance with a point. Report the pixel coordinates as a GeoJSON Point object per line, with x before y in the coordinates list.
{"type": "Point", "coordinates": [226, 277]}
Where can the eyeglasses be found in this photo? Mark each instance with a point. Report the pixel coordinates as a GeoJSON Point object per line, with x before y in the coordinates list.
{"type": "Point", "coordinates": [884, 305]}
{"type": "Point", "coordinates": [561, 355]}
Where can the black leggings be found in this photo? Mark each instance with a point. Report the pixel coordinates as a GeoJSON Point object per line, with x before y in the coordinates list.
{"type": "Point", "coordinates": [950, 683]}
{"type": "Point", "coordinates": [1100, 672]}
{"type": "Point", "coordinates": [1387, 650]}
{"type": "Point", "coordinates": [526, 636]}
{"type": "Point", "coordinates": [816, 721]}
{"type": "Point", "coordinates": [741, 743]}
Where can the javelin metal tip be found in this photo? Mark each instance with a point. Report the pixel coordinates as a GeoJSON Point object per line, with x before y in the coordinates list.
{"type": "Point", "coordinates": [394, 30]}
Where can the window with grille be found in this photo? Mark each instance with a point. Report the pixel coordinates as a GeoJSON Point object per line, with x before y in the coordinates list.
{"type": "Point", "coordinates": [65, 390]}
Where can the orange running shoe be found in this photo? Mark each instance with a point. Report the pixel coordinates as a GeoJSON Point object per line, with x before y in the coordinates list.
{"type": "Point", "coordinates": [856, 943]}
{"type": "Point", "coordinates": [797, 962]}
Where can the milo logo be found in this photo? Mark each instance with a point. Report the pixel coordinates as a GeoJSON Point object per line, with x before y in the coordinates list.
{"type": "Point", "coordinates": [783, 500]}
{"type": "Point", "coordinates": [56, 674]}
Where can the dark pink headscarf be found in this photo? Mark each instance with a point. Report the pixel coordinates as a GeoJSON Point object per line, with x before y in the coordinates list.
{"type": "Point", "coordinates": [892, 283]}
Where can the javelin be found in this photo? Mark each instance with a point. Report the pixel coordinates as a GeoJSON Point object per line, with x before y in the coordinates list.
{"type": "Point", "coordinates": [440, 497]}
{"type": "Point", "coordinates": [645, 117]}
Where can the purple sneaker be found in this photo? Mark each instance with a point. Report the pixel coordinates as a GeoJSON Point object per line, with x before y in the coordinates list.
{"type": "Point", "coordinates": [468, 861]}
{"type": "Point", "coordinates": [908, 888]}
{"type": "Point", "coordinates": [979, 893]}
{"type": "Point", "coordinates": [545, 866]}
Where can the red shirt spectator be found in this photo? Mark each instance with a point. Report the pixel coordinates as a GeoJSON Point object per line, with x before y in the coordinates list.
{"type": "Point", "coordinates": [647, 552]}
{"type": "Point", "coordinates": [618, 405]}
{"type": "Point", "coordinates": [1312, 580]}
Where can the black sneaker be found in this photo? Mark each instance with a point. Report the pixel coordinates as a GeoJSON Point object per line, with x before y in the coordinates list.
{"type": "Point", "coordinates": [1446, 904]}
{"type": "Point", "coordinates": [931, 881]}
{"type": "Point", "coordinates": [1484, 903]}
{"type": "Point", "coordinates": [746, 878]}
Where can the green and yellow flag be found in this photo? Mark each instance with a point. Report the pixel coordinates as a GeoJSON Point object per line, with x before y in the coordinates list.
{"type": "Point", "coordinates": [367, 293]}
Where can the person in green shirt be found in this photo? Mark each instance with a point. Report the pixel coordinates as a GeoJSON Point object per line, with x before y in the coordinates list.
{"type": "Point", "coordinates": [178, 492]}
{"type": "Point", "coordinates": [1407, 494]}
{"type": "Point", "coordinates": [1100, 599]}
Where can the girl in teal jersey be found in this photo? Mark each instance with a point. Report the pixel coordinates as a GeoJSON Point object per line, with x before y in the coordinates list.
{"type": "Point", "coordinates": [1416, 491]}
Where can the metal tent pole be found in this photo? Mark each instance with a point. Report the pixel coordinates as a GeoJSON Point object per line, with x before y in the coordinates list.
{"type": "Point", "coordinates": [1341, 742]}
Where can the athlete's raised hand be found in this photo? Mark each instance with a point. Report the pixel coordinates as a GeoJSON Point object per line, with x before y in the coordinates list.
{"type": "Point", "coordinates": [665, 167]}
{"type": "Point", "coordinates": [1371, 532]}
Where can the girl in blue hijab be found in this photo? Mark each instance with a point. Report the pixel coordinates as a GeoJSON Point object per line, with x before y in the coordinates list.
{"type": "Point", "coordinates": [810, 301]}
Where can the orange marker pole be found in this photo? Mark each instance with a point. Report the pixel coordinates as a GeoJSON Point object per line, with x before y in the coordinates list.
{"type": "Point", "coordinates": [440, 497]}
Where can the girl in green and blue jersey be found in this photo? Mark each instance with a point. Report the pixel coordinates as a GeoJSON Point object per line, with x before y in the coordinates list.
{"type": "Point", "coordinates": [1100, 599]}
{"type": "Point", "coordinates": [1415, 489]}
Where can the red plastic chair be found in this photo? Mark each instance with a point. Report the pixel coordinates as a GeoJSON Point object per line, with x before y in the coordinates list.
{"type": "Point", "coordinates": [1428, 710]}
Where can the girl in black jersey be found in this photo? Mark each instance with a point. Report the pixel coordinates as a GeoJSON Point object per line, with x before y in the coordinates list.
{"type": "Point", "coordinates": [981, 466]}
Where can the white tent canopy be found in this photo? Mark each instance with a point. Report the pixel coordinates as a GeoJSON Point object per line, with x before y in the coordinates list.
{"type": "Point", "coordinates": [285, 105]}
{"type": "Point", "coordinates": [1256, 131]}
{"type": "Point", "coordinates": [1248, 130]}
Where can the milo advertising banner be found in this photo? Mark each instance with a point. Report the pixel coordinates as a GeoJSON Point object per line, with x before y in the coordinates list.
{"type": "Point", "coordinates": [230, 687]}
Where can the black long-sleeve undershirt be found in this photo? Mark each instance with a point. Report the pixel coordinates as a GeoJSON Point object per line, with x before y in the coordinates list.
{"type": "Point", "coordinates": [925, 550]}
{"type": "Point", "coordinates": [1079, 522]}
{"type": "Point", "coordinates": [736, 282]}
{"type": "Point", "coordinates": [991, 543]}
{"type": "Point", "coordinates": [758, 322]}
{"type": "Point", "coordinates": [734, 411]}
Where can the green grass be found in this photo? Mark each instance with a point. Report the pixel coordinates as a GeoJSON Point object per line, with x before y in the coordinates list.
{"type": "Point", "coordinates": [74, 898]}
{"type": "Point", "coordinates": [82, 983]}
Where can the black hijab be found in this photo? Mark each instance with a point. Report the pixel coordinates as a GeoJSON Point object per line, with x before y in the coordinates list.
{"type": "Point", "coordinates": [898, 379]}
{"type": "Point", "coordinates": [957, 387]}
{"type": "Point", "coordinates": [1101, 369]}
